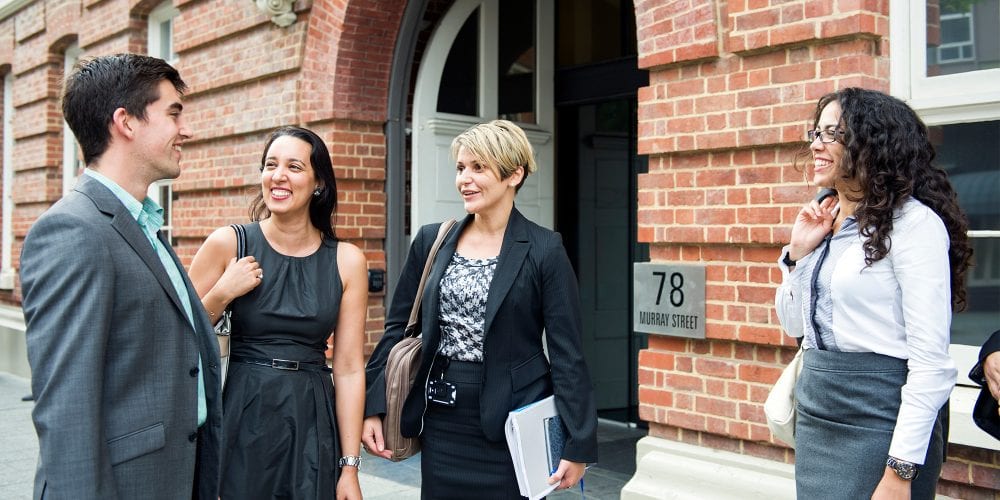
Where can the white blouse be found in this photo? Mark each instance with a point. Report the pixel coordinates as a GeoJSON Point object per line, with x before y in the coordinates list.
{"type": "Point", "coordinates": [898, 307]}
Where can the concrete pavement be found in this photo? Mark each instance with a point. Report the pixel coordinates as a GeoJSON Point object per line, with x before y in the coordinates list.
{"type": "Point", "coordinates": [380, 479]}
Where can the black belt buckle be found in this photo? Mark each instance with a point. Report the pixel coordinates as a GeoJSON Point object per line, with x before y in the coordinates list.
{"type": "Point", "coordinates": [285, 364]}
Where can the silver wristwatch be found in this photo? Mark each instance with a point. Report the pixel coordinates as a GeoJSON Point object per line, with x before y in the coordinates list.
{"type": "Point", "coordinates": [353, 461]}
{"type": "Point", "coordinates": [905, 470]}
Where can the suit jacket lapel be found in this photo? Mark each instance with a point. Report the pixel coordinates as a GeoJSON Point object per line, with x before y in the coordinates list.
{"type": "Point", "coordinates": [512, 254]}
{"type": "Point", "coordinates": [128, 228]}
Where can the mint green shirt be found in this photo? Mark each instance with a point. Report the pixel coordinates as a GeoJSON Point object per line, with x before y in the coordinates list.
{"type": "Point", "coordinates": [149, 215]}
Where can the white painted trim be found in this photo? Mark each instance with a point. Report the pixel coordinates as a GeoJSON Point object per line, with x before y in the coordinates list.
{"type": "Point", "coordinates": [7, 272]}
{"type": "Point", "coordinates": [962, 430]}
{"type": "Point", "coordinates": [489, 46]}
{"type": "Point", "coordinates": [908, 78]}
{"type": "Point", "coordinates": [939, 112]}
{"type": "Point", "coordinates": [669, 469]}
{"type": "Point", "coordinates": [9, 7]}
{"type": "Point", "coordinates": [425, 95]}
{"type": "Point", "coordinates": [162, 13]}
{"type": "Point", "coordinates": [433, 131]}
{"type": "Point", "coordinates": [899, 38]}
{"type": "Point", "coordinates": [13, 346]}
{"type": "Point", "coordinates": [444, 124]}
{"type": "Point", "coordinates": [70, 157]}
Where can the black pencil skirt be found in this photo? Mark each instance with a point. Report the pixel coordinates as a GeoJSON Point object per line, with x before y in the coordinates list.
{"type": "Point", "coordinates": [457, 461]}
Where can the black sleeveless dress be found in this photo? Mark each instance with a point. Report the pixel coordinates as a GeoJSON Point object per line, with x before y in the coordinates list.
{"type": "Point", "coordinates": [279, 426]}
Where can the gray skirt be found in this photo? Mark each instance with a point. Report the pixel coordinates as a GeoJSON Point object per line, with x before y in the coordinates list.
{"type": "Point", "coordinates": [847, 405]}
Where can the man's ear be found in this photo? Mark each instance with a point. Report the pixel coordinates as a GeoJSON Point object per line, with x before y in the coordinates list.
{"type": "Point", "coordinates": [121, 124]}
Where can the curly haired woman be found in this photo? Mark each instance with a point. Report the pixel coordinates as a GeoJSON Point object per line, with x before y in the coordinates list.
{"type": "Point", "coordinates": [870, 279]}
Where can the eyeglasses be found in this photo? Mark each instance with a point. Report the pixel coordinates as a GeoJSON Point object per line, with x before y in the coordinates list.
{"type": "Point", "coordinates": [826, 136]}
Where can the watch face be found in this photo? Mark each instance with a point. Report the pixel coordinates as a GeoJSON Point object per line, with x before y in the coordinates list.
{"type": "Point", "coordinates": [905, 470]}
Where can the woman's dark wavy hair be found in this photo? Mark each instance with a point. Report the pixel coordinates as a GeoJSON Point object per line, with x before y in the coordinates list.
{"type": "Point", "coordinates": [888, 153]}
{"type": "Point", "coordinates": [322, 208]}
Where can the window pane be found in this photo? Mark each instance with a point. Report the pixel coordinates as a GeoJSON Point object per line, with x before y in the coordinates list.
{"type": "Point", "coordinates": [167, 40]}
{"type": "Point", "coordinates": [516, 88]}
{"type": "Point", "coordinates": [962, 36]}
{"type": "Point", "coordinates": [460, 81]}
{"type": "Point", "coordinates": [956, 29]}
{"type": "Point", "coordinates": [593, 31]}
{"type": "Point", "coordinates": [970, 153]}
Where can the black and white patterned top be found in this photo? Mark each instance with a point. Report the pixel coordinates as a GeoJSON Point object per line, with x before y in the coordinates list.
{"type": "Point", "coordinates": [464, 288]}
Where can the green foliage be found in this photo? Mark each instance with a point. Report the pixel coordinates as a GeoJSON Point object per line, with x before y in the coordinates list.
{"type": "Point", "coordinates": [957, 6]}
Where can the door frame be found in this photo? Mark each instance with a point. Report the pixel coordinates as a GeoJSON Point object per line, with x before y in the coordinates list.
{"type": "Point", "coordinates": [432, 193]}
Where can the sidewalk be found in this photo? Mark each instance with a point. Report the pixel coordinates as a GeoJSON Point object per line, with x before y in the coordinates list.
{"type": "Point", "coordinates": [380, 479]}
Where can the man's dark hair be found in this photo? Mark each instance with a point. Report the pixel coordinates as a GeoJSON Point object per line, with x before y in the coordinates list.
{"type": "Point", "coordinates": [100, 85]}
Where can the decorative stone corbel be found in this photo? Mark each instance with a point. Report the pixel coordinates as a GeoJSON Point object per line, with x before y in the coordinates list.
{"type": "Point", "coordinates": [280, 11]}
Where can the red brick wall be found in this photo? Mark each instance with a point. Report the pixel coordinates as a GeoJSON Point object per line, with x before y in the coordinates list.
{"type": "Point", "coordinates": [328, 71]}
{"type": "Point", "coordinates": [732, 88]}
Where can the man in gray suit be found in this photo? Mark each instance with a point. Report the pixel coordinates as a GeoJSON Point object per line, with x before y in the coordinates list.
{"type": "Point", "coordinates": [124, 362]}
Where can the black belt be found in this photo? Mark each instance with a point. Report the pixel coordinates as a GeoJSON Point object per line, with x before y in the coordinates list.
{"type": "Point", "coordinates": [282, 364]}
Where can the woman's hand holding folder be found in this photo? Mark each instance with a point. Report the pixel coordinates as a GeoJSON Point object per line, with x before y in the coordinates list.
{"type": "Point", "coordinates": [568, 474]}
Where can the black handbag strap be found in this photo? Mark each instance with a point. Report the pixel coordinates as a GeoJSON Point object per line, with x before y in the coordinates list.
{"type": "Point", "coordinates": [241, 240]}
{"type": "Point", "coordinates": [241, 251]}
{"type": "Point", "coordinates": [411, 325]}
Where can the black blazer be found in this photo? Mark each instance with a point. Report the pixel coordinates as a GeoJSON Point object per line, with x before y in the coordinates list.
{"type": "Point", "coordinates": [985, 413]}
{"type": "Point", "coordinates": [534, 288]}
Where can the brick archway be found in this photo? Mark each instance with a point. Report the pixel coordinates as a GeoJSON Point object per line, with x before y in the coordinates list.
{"type": "Point", "coordinates": [348, 54]}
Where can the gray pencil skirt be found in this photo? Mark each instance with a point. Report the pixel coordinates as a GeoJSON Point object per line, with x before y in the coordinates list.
{"type": "Point", "coordinates": [847, 406]}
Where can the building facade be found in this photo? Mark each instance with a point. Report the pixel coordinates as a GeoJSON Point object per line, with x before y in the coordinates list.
{"type": "Point", "coordinates": [666, 133]}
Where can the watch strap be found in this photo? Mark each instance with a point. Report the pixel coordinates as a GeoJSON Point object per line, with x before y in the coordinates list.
{"type": "Point", "coordinates": [905, 470]}
{"type": "Point", "coordinates": [786, 260]}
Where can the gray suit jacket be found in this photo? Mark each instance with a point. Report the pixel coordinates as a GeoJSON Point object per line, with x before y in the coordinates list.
{"type": "Point", "coordinates": [114, 359]}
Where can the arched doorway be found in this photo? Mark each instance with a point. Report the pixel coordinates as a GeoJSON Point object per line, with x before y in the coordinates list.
{"type": "Point", "coordinates": [474, 71]}
{"type": "Point", "coordinates": [566, 71]}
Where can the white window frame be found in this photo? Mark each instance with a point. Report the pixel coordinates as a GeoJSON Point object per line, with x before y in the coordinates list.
{"type": "Point", "coordinates": [7, 272]}
{"type": "Point", "coordinates": [71, 157]}
{"type": "Point", "coordinates": [162, 18]}
{"type": "Point", "coordinates": [967, 97]}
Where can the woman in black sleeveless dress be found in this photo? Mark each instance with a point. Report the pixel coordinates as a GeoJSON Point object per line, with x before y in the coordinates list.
{"type": "Point", "coordinates": [287, 433]}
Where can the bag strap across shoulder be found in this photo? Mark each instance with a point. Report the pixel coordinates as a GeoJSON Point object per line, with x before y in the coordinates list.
{"type": "Point", "coordinates": [415, 310]}
{"type": "Point", "coordinates": [241, 240]}
{"type": "Point", "coordinates": [241, 251]}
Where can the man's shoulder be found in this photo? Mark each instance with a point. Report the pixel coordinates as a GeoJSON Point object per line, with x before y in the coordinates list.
{"type": "Point", "coordinates": [74, 206]}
